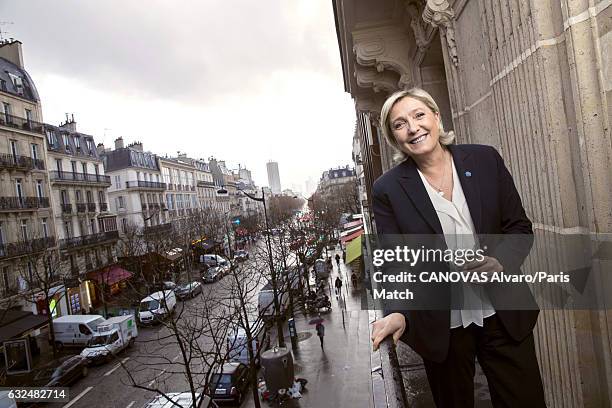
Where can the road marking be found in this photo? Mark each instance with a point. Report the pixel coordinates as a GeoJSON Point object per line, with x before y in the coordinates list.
{"type": "Point", "coordinates": [116, 367]}
{"type": "Point", "coordinates": [78, 397]}
{"type": "Point", "coordinates": [130, 405]}
{"type": "Point", "coordinates": [155, 379]}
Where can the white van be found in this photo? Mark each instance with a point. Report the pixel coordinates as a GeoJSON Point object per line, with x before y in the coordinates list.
{"type": "Point", "coordinates": [237, 342]}
{"type": "Point", "coordinates": [156, 307]}
{"type": "Point", "coordinates": [214, 260]}
{"type": "Point", "coordinates": [75, 329]}
{"type": "Point", "coordinates": [112, 336]}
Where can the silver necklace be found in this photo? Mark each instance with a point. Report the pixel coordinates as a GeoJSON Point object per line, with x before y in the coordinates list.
{"type": "Point", "coordinates": [439, 190]}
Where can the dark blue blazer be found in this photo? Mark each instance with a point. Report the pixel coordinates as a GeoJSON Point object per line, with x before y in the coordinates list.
{"type": "Point", "coordinates": [402, 206]}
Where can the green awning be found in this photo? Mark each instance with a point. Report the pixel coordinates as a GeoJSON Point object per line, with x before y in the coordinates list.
{"type": "Point", "coordinates": [353, 250]}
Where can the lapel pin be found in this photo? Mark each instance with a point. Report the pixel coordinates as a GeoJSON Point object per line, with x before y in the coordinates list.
{"type": "Point", "coordinates": [468, 174]}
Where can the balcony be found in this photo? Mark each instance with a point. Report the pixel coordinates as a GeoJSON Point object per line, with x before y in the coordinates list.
{"type": "Point", "coordinates": [91, 239]}
{"type": "Point", "coordinates": [144, 207]}
{"type": "Point", "coordinates": [17, 122]}
{"type": "Point", "coordinates": [91, 207]}
{"type": "Point", "coordinates": [25, 247]}
{"type": "Point", "coordinates": [152, 185]}
{"type": "Point", "coordinates": [66, 208]}
{"type": "Point", "coordinates": [81, 207]}
{"type": "Point", "coordinates": [203, 183]}
{"type": "Point", "coordinates": [154, 206]}
{"type": "Point", "coordinates": [17, 162]}
{"type": "Point", "coordinates": [80, 178]}
{"type": "Point", "coordinates": [158, 229]}
{"type": "Point", "coordinates": [103, 207]}
{"type": "Point", "coordinates": [23, 203]}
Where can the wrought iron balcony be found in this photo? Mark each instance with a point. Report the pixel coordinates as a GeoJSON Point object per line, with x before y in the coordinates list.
{"type": "Point", "coordinates": [25, 247]}
{"type": "Point", "coordinates": [103, 207]}
{"type": "Point", "coordinates": [91, 239]}
{"type": "Point", "coordinates": [66, 208]}
{"type": "Point", "coordinates": [17, 162]}
{"type": "Point", "coordinates": [204, 183]}
{"type": "Point", "coordinates": [91, 207]}
{"type": "Point", "coordinates": [154, 206]}
{"type": "Point", "coordinates": [81, 207]}
{"type": "Point", "coordinates": [17, 122]}
{"type": "Point", "coordinates": [145, 184]}
{"type": "Point", "coordinates": [23, 203]}
{"type": "Point", "coordinates": [158, 229]}
{"type": "Point", "coordinates": [68, 176]}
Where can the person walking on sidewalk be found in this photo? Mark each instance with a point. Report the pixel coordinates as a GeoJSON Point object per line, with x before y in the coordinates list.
{"type": "Point", "coordinates": [338, 260]}
{"type": "Point", "coordinates": [320, 332]}
{"type": "Point", "coordinates": [338, 285]}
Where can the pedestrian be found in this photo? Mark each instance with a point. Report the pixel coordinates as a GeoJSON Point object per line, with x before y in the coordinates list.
{"type": "Point", "coordinates": [338, 260]}
{"type": "Point", "coordinates": [338, 285]}
{"type": "Point", "coordinates": [320, 332]}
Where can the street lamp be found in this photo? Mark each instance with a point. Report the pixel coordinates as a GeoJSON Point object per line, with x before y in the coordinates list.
{"type": "Point", "coordinates": [262, 199]}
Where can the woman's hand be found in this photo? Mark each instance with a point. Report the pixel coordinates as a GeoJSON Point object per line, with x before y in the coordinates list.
{"type": "Point", "coordinates": [394, 323]}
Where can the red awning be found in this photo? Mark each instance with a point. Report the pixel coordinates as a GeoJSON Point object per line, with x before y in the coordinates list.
{"type": "Point", "coordinates": [351, 237]}
{"type": "Point", "coordinates": [111, 275]}
{"type": "Point", "coordinates": [352, 224]}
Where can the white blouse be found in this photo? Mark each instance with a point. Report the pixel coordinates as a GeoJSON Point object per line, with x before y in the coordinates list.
{"type": "Point", "coordinates": [458, 229]}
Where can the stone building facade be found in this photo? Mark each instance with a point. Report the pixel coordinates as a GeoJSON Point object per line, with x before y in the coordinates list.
{"type": "Point", "coordinates": [533, 79]}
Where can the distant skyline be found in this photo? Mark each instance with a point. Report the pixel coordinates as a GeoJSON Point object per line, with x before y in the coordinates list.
{"type": "Point", "coordinates": [179, 76]}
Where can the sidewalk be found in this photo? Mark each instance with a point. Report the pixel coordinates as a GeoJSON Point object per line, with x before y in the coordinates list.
{"type": "Point", "coordinates": [340, 375]}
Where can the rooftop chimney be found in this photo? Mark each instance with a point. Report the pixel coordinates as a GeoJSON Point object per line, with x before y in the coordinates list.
{"type": "Point", "coordinates": [119, 143]}
{"type": "Point", "coordinates": [100, 148]}
{"type": "Point", "coordinates": [70, 123]}
{"type": "Point", "coordinates": [11, 51]}
{"type": "Point", "coordinates": [137, 146]}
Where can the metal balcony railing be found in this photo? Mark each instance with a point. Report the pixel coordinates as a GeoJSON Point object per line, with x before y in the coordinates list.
{"type": "Point", "coordinates": [79, 177]}
{"type": "Point", "coordinates": [25, 247]}
{"type": "Point", "coordinates": [145, 184]}
{"type": "Point", "coordinates": [90, 239]}
{"type": "Point", "coordinates": [103, 207]}
{"type": "Point", "coordinates": [17, 162]}
{"type": "Point", "coordinates": [81, 207]}
{"type": "Point", "coordinates": [91, 207]}
{"type": "Point", "coordinates": [18, 122]}
{"type": "Point", "coordinates": [204, 183]}
{"type": "Point", "coordinates": [144, 207]}
{"type": "Point", "coordinates": [23, 203]}
{"type": "Point", "coordinates": [66, 208]}
{"type": "Point", "coordinates": [158, 229]}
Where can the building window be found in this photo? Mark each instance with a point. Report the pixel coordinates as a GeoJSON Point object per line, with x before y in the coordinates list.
{"type": "Point", "coordinates": [68, 229]}
{"type": "Point", "coordinates": [92, 225]}
{"type": "Point", "coordinates": [66, 142]}
{"type": "Point", "coordinates": [7, 112]}
{"type": "Point", "coordinates": [14, 148]}
{"type": "Point", "coordinates": [97, 169]}
{"type": "Point", "coordinates": [51, 138]}
{"type": "Point", "coordinates": [28, 116]}
{"type": "Point", "coordinates": [73, 165]}
{"type": "Point", "coordinates": [77, 142]}
{"type": "Point", "coordinates": [64, 197]}
{"type": "Point", "coordinates": [121, 202]}
{"type": "Point", "coordinates": [117, 181]}
{"type": "Point", "coordinates": [124, 225]}
{"type": "Point", "coordinates": [79, 196]}
{"type": "Point", "coordinates": [101, 197]}
{"type": "Point", "coordinates": [39, 189]}
{"type": "Point", "coordinates": [45, 228]}
{"type": "Point", "coordinates": [34, 151]}
{"type": "Point", "coordinates": [5, 279]}
{"type": "Point", "coordinates": [24, 230]}
{"type": "Point", "coordinates": [84, 167]}
{"type": "Point", "coordinates": [89, 197]}
{"type": "Point", "coordinates": [19, 189]}
{"type": "Point", "coordinates": [58, 166]}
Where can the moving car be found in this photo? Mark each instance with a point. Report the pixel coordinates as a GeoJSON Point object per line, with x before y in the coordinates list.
{"type": "Point", "coordinates": [188, 290]}
{"type": "Point", "coordinates": [230, 383]}
{"type": "Point", "coordinates": [156, 307]}
{"type": "Point", "coordinates": [182, 399]}
{"type": "Point", "coordinates": [75, 329]}
{"type": "Point", "coordinates": [61, 372]}
{"type": "Point", "coordinates": [112, 336]}
{"type": "Point", "coordinates": [241, 255]}
{"type": "Point", "coordinates": [212, 274]}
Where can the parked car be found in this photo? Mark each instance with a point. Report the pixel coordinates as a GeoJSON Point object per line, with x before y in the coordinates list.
{"type": "Point", "coordinates": [61, 372]}
{"type": "Point", "coordinates": [213, 274]}
{"type": "Point", "coordinates": [188, 290]}
{"type": "Point", "coordinates": [213, 260]}
{"type": "Point", "coordinates": [75, 329]}
{"type": "Point", "coordinates": [230, 383]}
{"type": "Point", "coordinates": [237, 341]}
{"type": "Point", "coordinates": [156, 307]}
{"type": "Point", "coordinates": [182, 399]}
{"type": "Point", "coordinates": [241, 255]}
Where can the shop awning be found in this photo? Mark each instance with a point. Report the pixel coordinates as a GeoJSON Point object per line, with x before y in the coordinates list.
{"type": "Point", "coordinates": [353, 250]}
{"type": "Point", "coordinates": [352, 236]}
{"type": "Point", "coordinates": [110, 276]}
{"type": "Point", "coordinates": [14, 324]}
{"type": "Point", "coordinates": [352, 224]}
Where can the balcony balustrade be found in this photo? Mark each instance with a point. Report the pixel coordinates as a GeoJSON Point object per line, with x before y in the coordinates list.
{"type": "Point", "coordinates": [81, 207]}
{"type": "Point", "coordinates": [91, 239]}
{"type": "Point", "coordinates": [103, 207]}
{"type": "Point", "coordinates": [145, 184]}
{"type": "Point", "coordinates": [25, 247]}
{"type": "Point", "coordinates": [91, 207]}
{"type": "Point", "coordinates": [18, 122]}
{"type": "Point", "coordinates": [66, 208]}
{"type": "Point", "coordinates": [68, 176]}
{"type": "Point", "coordinates": [17, 162]}
{"type": "Point", "coordinates": [158, 229]}
{"type": "Point", "coordinates": [23, 203]}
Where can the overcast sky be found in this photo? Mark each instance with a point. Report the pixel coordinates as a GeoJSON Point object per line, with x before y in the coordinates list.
{"type": "Point", "coordinates": [245, 81]}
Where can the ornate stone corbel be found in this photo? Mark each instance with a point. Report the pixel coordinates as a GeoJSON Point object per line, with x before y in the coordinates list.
{"type": "Point", "coordinates": [439, 13]}
{"type": "Point", "coordinates": [420, 32]}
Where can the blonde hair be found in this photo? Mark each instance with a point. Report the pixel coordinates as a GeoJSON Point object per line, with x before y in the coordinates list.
{"type": "Point", "coordinates": [446, 138]}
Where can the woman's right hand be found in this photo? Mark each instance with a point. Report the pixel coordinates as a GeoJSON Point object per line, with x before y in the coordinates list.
{"type": "Point", "coordinates": [394, 324]}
